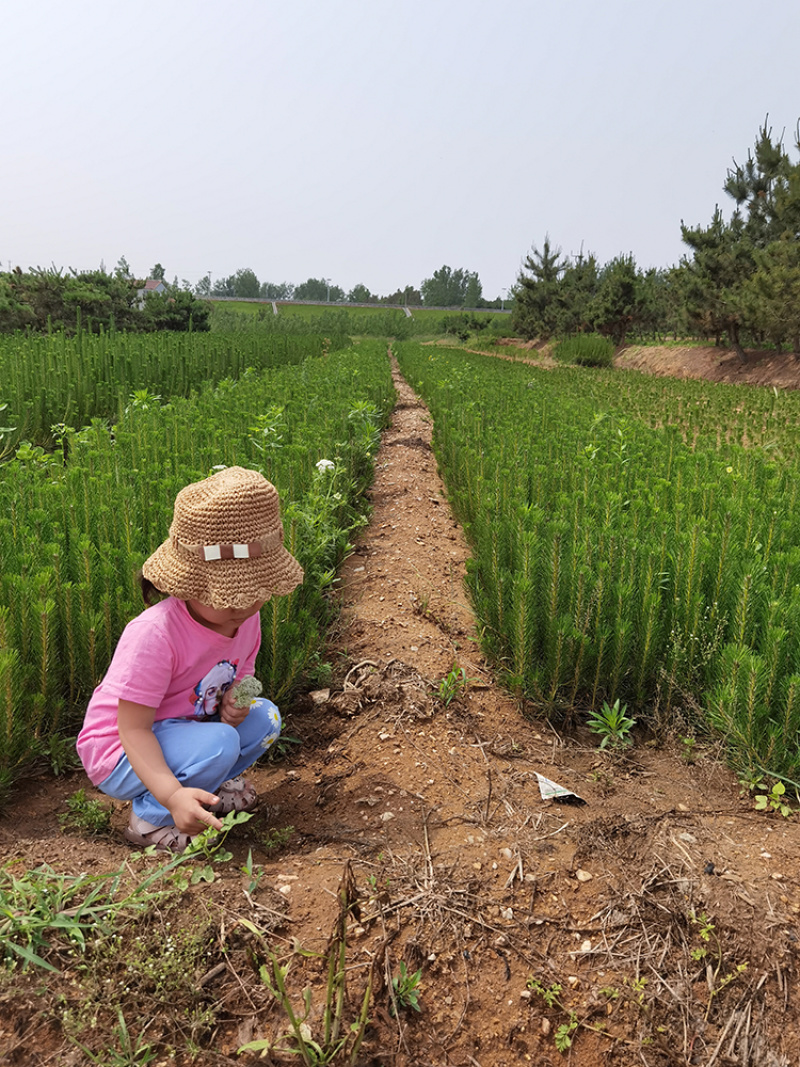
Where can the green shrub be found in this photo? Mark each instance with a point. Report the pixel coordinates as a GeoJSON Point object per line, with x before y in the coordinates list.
{"type": "Point", "coordinates": [586, 350]}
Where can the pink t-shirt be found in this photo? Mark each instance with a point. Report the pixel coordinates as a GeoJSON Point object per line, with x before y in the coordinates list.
{"type": "Point", "coordinates": [165, 660]}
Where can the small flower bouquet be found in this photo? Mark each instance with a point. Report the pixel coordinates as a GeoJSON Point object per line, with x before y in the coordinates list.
{"type": "Point", "coordinates": [247, 691]}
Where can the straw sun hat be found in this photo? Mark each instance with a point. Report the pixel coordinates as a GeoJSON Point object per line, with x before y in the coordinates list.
{"type": "Point", "coordinates": [225, 546]}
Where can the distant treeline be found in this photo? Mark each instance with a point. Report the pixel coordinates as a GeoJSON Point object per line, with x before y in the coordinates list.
{"type": "Point", "coordinates": [446, 288]}
{"type": "Point", "coordinates": [739, 284]}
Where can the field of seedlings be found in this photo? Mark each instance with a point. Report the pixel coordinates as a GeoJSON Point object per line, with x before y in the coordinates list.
{"type": "Point", "coordinates": [78, 520]}
{"type": "Point", "coordinates": [407, 892]}
{"type": "Point", "coordinates": [633, 539]}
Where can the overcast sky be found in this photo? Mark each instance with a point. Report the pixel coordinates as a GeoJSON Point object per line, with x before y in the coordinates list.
{"type": "Point", "coordinates": [373, 142]}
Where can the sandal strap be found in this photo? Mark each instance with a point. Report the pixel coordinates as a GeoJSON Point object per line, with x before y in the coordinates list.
{"type": "Point", "coordinates": [235, 785]}
{"type": "Point", "coordinates": [237, 794]}
{"type": "Point", "coordinates": [165, 838]}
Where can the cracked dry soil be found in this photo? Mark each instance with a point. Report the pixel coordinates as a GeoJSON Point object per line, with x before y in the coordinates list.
{"type": "Point", "coordinates": [461, 869]}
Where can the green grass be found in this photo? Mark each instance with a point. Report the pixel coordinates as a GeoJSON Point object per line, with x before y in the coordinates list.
{"type": "Point", "coordinates": [433, 314]}
{"type": "Point", "coordinates": [311, 310]}
{"type": "Point", "coordinates": [250, 307]}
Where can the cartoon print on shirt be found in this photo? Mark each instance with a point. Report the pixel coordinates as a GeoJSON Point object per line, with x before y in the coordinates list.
{"type": "Point", "coordinates": [209, 691]}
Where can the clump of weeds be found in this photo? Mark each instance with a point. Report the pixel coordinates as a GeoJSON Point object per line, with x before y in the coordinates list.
{"type": "Point", "coordinates": [275, 838]}
{"type": "Point", "coordinates": [334, 1039]}
{"type": "Point", "coordinates": [127, 1050]}
{"type": "Point", "coordinates": [85, 815]}
{"type": "Point", "coordinates": [120, 946]}
{"type": "Point", "coordinates": [148, 970]}
{"type": "Point", "coordinates": [565, 1031]}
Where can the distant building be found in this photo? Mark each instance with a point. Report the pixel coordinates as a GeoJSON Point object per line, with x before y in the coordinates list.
{"type": "Point", "coordinates": [152, 285]}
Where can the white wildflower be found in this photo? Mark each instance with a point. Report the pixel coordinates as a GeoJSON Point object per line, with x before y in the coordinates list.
{"type": "Point", "coordinates": [324, 465]}
{"type": "Point", "coordinates": [247, 691]}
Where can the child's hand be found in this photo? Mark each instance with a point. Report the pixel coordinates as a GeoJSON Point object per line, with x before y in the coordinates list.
{"type": "Point", "coordinates": [186, 806]}
{"type": "Point", "coordinates": [231, 712]}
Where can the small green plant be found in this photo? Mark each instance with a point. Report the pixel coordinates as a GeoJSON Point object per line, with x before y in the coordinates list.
{"type": "Point", "coordinates": [638, 986]}
{"type": "Point", "coordinates": [612, 725]}
{"type": "Point", "coordinates": [705, 931]}
{"type": "Point", "coordinates": [60, 754]}
{"type": "Point", "coordinates": [209, 846]}
{"type": "Point", "coordinates": [129, 1051]}
{"type": "Point", "coordinates": [549, 996]}
{"type": "Point", "coordinates": [85, 815]}
{"type": "Point", "coordinates": [563, 1038]}
{"type": "Point", "coordinates": [452, 685]}
{"type": "Point", "coordinates": [142, 400]}
{"type": "Point", "coordinates": [254, 872]}
{"type": "Point", "coordinates": [774, 800]}
{"type": "Point", "coordinates": [689, 749]}
{"type": "Point", "coordinates": [751, 781]}
{"type": "Point", "coordinates": [711, 951]}
{"type": "Point", "coordinates": [275, 838]}
{"type": "Point", "coordinates": [603, 777]}
{"type": "Point", "coordinates": [281, 748]}
{"type": "Point", "coordinates": [267, 434]}
{"type": "Point", "coordinates": [405, 989]}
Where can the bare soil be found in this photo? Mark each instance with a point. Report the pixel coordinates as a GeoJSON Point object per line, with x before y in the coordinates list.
{"type": "Point", "coordinates": [433, 811]}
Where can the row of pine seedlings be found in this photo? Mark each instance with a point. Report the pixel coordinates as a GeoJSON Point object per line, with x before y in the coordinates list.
{"type": "Point", "coordinates": [84, 501]}
{"type": "Point", "coordinates": [633, 538]}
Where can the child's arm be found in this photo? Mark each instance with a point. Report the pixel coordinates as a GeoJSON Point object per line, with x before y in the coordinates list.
{"type": "Point", "coordinates": [135, 724]}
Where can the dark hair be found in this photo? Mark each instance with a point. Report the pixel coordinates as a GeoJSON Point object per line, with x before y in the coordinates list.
{"type": "Point", "coordinates": [151, 594]}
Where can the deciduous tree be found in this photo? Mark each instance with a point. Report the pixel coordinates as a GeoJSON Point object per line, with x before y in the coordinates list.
{"type": "Point", "coordinates": [449, 288]}
{"type": "Point", "coordinates": [359, 294]}
{"type": "Point", "coordinates": [246, 285]}
{"type": "Point", "coordinates": [318, 289]}
{"type": "Point", "coordinates": [277, 291]}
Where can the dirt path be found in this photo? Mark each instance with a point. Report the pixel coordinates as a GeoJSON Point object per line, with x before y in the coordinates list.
{"type": "Point", "coordinates": [462, 870]}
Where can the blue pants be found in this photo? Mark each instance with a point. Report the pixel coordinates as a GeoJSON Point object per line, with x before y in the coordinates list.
{"type": "Point", "coordinates": [201, 755]}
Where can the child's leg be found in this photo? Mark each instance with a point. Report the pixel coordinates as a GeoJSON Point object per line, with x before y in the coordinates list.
{"type": "Point", "coordinates": [199, 754]}
{"type": "Point", "coordinates": [257, 733]}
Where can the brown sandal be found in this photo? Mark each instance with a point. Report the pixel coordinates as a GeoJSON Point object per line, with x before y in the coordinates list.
{"type": "Point", "coordinates": [237, 794]}
{"type": "Point", "coordinates": [165, 838]}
